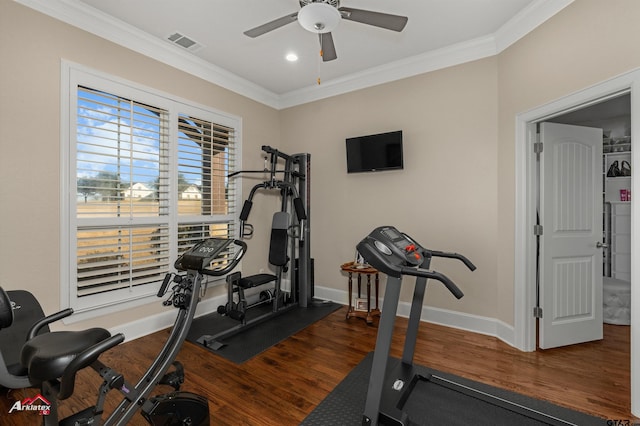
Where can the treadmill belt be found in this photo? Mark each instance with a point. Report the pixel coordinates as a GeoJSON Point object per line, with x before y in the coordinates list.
{"type": "Point", "coordinates": [435, 403]}
{"type": "Point", "coordinates": [432, 403]}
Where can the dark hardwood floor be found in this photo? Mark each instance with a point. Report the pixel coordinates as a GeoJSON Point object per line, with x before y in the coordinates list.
{"type": "Point", "coordinates": [284, 384]}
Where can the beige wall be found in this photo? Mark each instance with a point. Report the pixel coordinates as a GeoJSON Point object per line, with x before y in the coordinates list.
{"type": "Point", "coordinates": [587, 43]}
{"type": "Point", "coordinates": [457, 189]}
{"type": "Point", "coordinates": [455, 193]}
{"type": "Point", "coordinates": [446, 195]}
{"type": "Point", "coordinates": [32, 46]}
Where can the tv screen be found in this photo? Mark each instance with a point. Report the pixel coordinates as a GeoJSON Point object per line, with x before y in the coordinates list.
{"type": "Point", "coordinates": [374, 153]}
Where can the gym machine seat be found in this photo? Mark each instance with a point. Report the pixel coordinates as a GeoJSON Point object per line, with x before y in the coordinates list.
{"type": "Point", "coordinates": [277, 251]}
{"type": "Point", "coordinates": [278, 257]}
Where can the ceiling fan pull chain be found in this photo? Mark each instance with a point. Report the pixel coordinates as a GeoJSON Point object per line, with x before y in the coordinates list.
{"type": "Point", "coordinates": [320, 57]}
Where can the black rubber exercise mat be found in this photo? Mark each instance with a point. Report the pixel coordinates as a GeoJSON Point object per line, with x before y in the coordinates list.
{"type": "Point", "coordinates": [257, 338]}
{"type": "Point", "coordinates": [432, 404]}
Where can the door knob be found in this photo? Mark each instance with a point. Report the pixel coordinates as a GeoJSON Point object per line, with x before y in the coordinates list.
{"type": "Point", "coordinates": [601, 245]}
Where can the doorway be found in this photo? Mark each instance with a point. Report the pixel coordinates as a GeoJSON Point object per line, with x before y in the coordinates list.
{"type": "Point", "coordinates": [578, 313]}
{"type": "Point", "coordinates": [569, 235]}
{"type": "Point", "coordinates": [525, 182]}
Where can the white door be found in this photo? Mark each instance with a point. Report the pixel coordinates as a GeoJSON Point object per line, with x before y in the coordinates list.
{"type": "Point", "coordinates": [570, 245]}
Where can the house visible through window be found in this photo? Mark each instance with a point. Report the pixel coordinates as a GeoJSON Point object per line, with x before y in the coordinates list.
{"type": "Point", "coordinates": [149, 176]}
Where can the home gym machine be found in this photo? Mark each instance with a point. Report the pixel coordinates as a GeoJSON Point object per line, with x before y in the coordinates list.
{"type": "Point", "coordinates": [291, 285]}
{"type": "Point", "coordinates": [392, 381]}
{"type": "Point", "coordinates": [53, 359]}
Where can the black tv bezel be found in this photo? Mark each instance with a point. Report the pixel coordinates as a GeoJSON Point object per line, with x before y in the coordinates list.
{"type": "Point", "coordinates": [368, 138]}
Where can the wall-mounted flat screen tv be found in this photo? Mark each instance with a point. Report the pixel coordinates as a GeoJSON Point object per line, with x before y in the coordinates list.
{"type": "Point", "coordinates": [374, 153]}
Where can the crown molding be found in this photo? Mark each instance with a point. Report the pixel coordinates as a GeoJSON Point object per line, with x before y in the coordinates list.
{"type": "Point", "coordinates": [78, 14]}
{"type": "Point", "coordinates": [431, 61]}
{"type": "Point", "coordinates": [527, 20]}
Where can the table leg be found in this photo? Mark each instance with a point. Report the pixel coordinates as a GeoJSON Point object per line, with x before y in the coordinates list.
{"type": "Point", "coordinates": [377, 287]}
{"type": "Point", "coordinates": [350, 299]}
{"type": "Point", "coordinates": [369, 318]}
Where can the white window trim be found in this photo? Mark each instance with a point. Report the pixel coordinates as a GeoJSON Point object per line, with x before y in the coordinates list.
{"type": "Point", "coordinates": [71, 73]}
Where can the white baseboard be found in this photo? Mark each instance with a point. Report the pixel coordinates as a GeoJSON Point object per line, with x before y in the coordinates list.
{"type": "Point", "coordinates": [165, 319]}
{"type": "Point", "coordinates": [460, 320]}
{"type": "Point", "coordinates": [473, 323]}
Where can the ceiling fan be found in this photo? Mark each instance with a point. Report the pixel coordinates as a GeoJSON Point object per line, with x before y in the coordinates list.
{"type": "Point", "coordinates": [323, 16]}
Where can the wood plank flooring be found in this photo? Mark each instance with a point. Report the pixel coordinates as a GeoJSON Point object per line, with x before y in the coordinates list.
{"type": "Point", "coordinates": [284, 384]}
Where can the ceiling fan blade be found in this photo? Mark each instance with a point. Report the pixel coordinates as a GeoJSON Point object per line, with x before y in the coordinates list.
{"type": "Point", "coordinates": [328, 48]}
{"type": "Point", "coordinates": [382, 20]}
{"type": "Point", "coordinates": [270, 26]}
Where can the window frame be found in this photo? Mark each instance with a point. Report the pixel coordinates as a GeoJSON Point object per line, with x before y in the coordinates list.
{"type": "Point", "coordinates": [74, 75]}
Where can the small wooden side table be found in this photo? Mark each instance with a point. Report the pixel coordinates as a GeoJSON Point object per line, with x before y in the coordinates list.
{"type": "Point", "coordinates": [359, 269]}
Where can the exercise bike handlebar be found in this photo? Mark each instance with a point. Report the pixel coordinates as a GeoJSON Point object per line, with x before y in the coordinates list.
{"type": "Point", "coordinates": [85, 359]}
{"type": "Point", "coordinates": [200, 262]}
{"type": "Point", "coordinates": [35, 328]}
{"type": "Point", "coordinates": [424, 273]}
{"type": "Point", "coordinates": [232, 264]}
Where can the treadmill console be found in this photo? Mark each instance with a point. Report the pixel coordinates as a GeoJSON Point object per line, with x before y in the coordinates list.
{"type": "Point", "coordinates": [388, 250]}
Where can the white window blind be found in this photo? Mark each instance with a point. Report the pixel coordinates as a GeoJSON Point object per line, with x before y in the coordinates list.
{"type": "Point", "coordinates": [123, 228]}
{"type": "Point", "coordinates": [112, 258]}
{"type": "Point", "coordinates": [149, 176]}
{"type": "Point", "coordinates": [205, 152]}
{"type": "Point", "coordinates": [206, 155]}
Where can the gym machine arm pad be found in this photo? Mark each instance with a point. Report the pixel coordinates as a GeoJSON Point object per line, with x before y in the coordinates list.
{"type": "Point", "coordinates": [299, 206]}
{"type": "Point", "coordinates": [246, 209]}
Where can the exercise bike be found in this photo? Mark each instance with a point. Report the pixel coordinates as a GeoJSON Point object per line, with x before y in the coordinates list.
{"type": "Point", "coordinates": [52, 359]}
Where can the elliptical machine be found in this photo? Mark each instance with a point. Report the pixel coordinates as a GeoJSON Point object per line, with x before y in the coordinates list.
{"type": "Point", "coordinates": [53, 359]}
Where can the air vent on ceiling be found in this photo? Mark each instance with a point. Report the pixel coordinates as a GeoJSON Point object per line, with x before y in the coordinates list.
{"type": "Point", "coordinates": [184, 41]}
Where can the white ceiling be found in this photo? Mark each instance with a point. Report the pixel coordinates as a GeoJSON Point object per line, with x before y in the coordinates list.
{"type": "Point", "coordinates": [439, 33]}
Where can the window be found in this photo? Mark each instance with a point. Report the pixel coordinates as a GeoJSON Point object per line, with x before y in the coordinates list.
{"type": "Point", "coordinates": [147, 178]}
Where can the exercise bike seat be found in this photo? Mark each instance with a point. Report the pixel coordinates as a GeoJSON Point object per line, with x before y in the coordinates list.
{"type": "Point", "coordinates": [19, 310]}
{"type": "Point", "coordinates": [47, 356]}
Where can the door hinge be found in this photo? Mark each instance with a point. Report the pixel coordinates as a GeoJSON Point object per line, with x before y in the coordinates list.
{"type": "Point", "coordinates": [537, 147]}
{"type": "Point", "coordinates": [537, 230]}
{"type": "Point", "coordinates": [537, 312]}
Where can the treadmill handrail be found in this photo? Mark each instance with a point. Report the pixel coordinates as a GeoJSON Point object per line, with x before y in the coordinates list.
{"type": "Point", "coordinates": [438, 276]}
{"type": "Point", "coordinates": [460, 257]}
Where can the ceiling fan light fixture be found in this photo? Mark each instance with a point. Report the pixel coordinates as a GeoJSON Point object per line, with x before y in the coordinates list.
{"type": "Point", "coordinates": [319, 17]}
